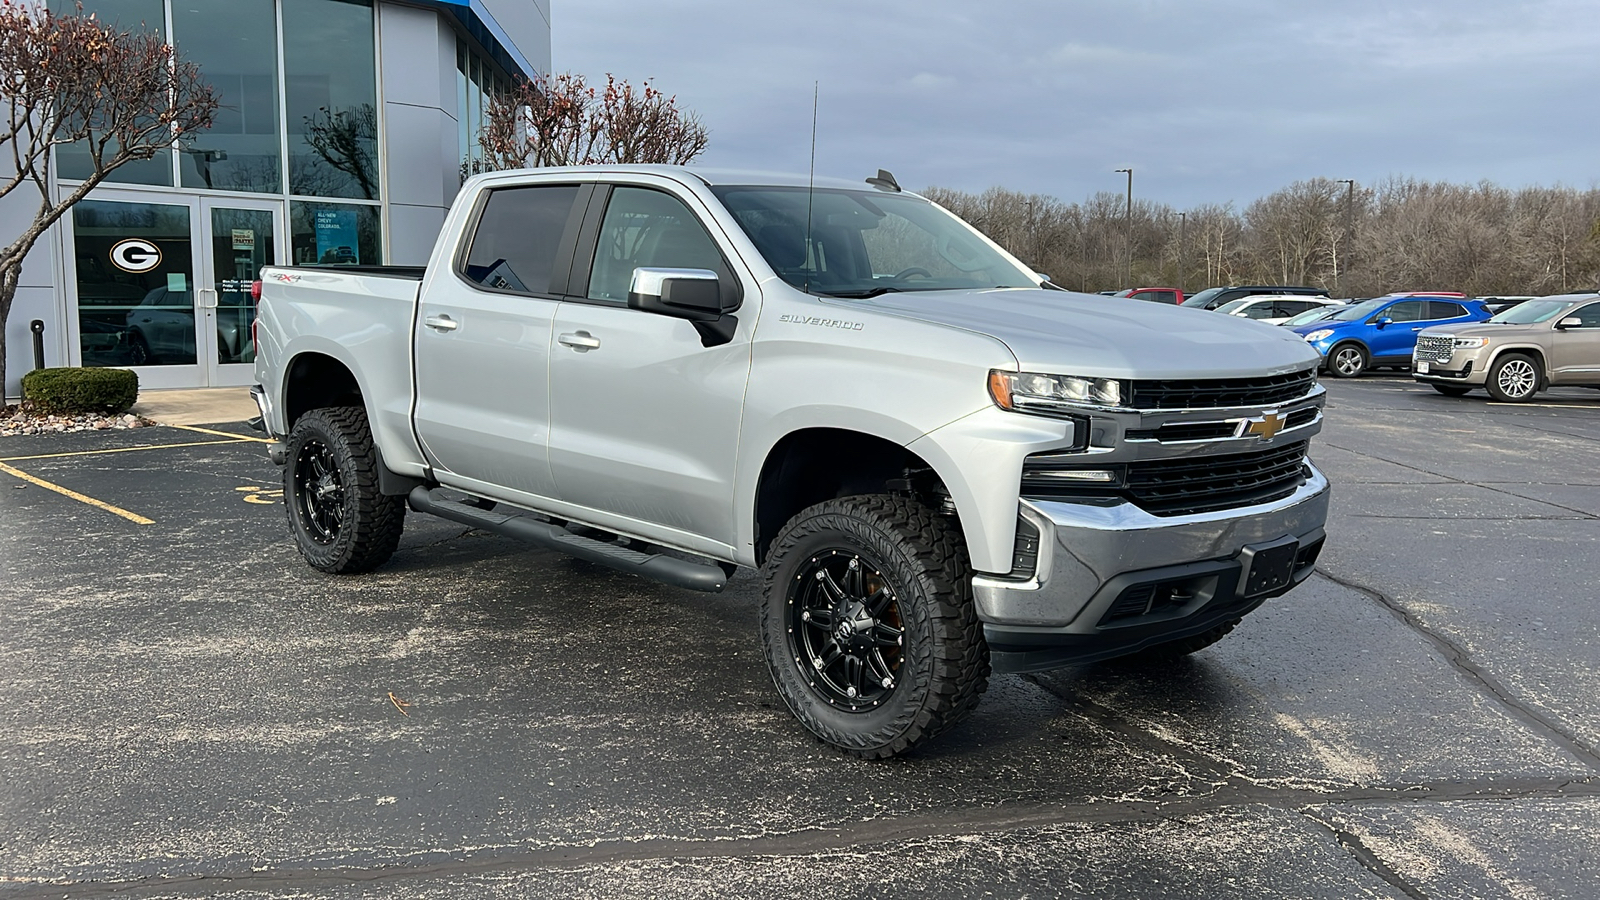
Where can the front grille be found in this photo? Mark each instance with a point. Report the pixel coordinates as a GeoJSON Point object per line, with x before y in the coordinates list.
{"type": "Point", "coordinates": [1181, 487]}
{"type": "Point", "coordinates": [1178, 487]}
{"type": "Point", "coordinates": [1179, 432]}
{"type": "Point", "coordinates": [1431, 348]}
{"type": "Point", "coordinates": [1217, 393]}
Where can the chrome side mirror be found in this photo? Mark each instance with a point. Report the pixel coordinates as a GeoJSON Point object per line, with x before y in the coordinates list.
{"type": "Point", "coordinates": [1569, 322]}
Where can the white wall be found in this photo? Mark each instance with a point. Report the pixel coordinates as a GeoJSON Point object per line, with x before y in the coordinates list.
{"type": "Point", "coordinates": [418, 67]}
{"type": "Point", "coordinates": [36, 296]}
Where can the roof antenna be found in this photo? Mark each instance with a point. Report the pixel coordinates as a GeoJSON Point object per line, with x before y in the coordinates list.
{"type": "Point", "coordinates": [811, 186]}
{"type": "Point", "coordinates": [885, 182]}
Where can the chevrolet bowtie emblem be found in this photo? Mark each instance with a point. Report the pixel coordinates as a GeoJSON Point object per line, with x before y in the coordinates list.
{"type": "Point", "coordinates": [1267, 427]}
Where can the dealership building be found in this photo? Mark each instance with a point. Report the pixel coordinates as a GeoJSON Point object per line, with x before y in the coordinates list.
{"type": "Point", "coordinates": [345, 130]}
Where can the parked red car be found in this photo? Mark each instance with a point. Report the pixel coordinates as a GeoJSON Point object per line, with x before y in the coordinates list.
{"type": "Point", "coordinates": [1153, 294]}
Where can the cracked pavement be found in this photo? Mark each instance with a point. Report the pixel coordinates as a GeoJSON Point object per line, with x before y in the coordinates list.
{"type": "Point", "coordinates": [187, 710]}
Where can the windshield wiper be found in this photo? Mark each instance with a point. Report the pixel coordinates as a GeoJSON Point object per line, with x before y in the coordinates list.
{"type": "Point", "coordinates": [864, 295]}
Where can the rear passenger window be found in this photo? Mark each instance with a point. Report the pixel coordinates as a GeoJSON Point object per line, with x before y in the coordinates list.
{"type": "Point", "coordinates": [1444, 309]}
{"type": "Point", "coordinates": [514, 246]}
{"type": "Point", "coordinates": [1258, 310]}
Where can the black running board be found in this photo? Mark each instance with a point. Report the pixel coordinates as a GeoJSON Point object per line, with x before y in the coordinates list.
{"type": "Point", "coordinates": [708, 577]}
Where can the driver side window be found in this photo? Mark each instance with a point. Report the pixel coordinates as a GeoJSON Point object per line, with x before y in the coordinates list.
{"type": "Point", "coordinates": [1406, 311]}
{"type": "Point", "coordinates": [1589, 315]}
{"type": "Point", "coordinates": [646, 228]}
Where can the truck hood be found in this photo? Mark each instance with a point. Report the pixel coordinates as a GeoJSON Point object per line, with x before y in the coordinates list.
{"type": "Point", "coordinates": [1067, 333]}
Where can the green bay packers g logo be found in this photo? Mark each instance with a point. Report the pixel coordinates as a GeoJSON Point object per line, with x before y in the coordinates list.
{"type": "Point", "coordinates": [135, 255]}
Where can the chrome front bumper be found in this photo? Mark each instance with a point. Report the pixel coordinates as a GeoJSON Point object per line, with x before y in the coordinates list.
{"type": "Point", "coordinates": [1092, 557]}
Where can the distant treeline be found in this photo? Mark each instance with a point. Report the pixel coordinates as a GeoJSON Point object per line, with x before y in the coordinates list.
{"type": "Point", "coordinates": [1400, 235]}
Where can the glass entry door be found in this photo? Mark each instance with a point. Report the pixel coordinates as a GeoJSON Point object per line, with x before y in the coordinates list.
{"type": "Point", "coordinates": [241, 237]}
{"type": "Point", "coordinates": [163, 284]}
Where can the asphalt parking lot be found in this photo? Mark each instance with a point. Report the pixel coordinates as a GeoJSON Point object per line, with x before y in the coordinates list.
{"type": "Point", "coordinates": [188, 710]}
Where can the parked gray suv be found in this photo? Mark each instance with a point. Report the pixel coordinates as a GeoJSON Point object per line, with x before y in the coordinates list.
{"type": "Point", "coordinates": [1537, 344]}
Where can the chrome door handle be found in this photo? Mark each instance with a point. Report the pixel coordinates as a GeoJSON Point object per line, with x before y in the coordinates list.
{"type": "Point", "coordinates": [581, 341]}
{"type": "Point", "coordinates": [441, 323]}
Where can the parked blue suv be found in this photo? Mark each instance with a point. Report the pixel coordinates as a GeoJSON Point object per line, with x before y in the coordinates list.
{"type": "Point", "coordinates": [1383, 331]}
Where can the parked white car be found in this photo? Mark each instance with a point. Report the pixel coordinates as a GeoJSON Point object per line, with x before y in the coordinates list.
{"type": "Point", "coordinates": [1274, 309]}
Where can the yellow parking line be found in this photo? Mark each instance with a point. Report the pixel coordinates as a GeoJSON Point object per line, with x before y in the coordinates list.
{"type": "Point", "coordinates": [237, 437]}
{"type": "Point", "coordinates": [135, 518]}
{"type": "Point", "coordinates": [116, 450]}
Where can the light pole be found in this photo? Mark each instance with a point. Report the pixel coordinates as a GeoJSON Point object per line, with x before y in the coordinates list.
{"type": "Point", "coordinates": [1127, 229]}
{"type": "Point", "coordinates": [1183, 251]}
{"type": "Point", "coordinates": [1349, 224]}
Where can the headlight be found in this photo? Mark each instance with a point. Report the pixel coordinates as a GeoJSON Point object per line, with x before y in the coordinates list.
{"type": "Point", "coordinates": [1319, 334]}
{"type": "Point", "coordinates": [1471, 343]}
{"type": "Point", "coordinates": [1052, 395]}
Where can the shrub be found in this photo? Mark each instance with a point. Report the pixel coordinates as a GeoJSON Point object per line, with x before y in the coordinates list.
{"type": "Point", "coordinates": [70, 391]}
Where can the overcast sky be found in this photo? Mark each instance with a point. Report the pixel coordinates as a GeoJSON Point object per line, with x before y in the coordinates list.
{"type": "Point", "coordinates": [1210, 101]}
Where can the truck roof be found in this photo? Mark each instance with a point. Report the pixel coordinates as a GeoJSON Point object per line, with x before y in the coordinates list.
{"type": "Point", "coordinates": [709, 176]}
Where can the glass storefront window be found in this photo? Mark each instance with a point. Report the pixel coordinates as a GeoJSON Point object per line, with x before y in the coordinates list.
{"type": "Point", "coordinates": [330, 77]}
{"type": "Point", "coordinates": [235, 45]}
{"type": "Point", "coordinates": [135, 268]}
{"type": "Point", "coordinates": [73, 161]}
{"type": "Point", "coordinates": [334, 234]}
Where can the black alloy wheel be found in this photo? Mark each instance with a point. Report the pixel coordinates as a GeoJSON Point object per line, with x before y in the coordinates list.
{"type": "Point", "coordinates": [341, 521]}
{"type": "Point", "coordinates": [848, 632]}
{"type": "Point", "coordinates": [319, 493]}
{"type": "Point", "coordinates": [868, 625]}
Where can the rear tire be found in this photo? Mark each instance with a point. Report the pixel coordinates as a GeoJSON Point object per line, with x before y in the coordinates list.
{"type": "Point", "coordinates": [1450, 390]}
{"type": "Point", "coordinates": [1514, 378]}
{"type": "Point", "coordinates": [1347, 360]}
{"type": "Point", "coordinates": [340, 521]}
{"type": "Point", "coordinates": [869, 626]}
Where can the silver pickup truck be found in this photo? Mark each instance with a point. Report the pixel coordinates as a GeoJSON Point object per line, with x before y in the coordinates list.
{"type": "Point", "coordinates": [942, 465]}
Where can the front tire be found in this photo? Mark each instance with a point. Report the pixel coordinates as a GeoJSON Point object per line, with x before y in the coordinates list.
{"type": "Point", "coordinates": [869, 626]}
{"type": "Point", "coordinates": [1514, 378]}
{"type": "Point", "coordinates": [1450, 390]}
{"type": "Point", "coordinates": [1347, 360]}
{"type": "Point", "coordinates": [341, 522]}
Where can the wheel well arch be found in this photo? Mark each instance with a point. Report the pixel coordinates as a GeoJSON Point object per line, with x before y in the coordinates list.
{"type": "Point", "coordinates": [1535, 352]}
{"type": "Point", "coordinates": [812, 465]}
{"type": "Point", "coordinates": [317, 380]}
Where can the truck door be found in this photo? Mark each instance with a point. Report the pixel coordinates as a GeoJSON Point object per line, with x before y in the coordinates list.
{"type": "Point", "coordinates": [644, 417]}
{"type": "Point", "coordinates": [482, 342]}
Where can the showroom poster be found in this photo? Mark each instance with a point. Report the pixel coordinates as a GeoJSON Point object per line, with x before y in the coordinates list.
{"type": "Point", "coordinates": [336, 236]}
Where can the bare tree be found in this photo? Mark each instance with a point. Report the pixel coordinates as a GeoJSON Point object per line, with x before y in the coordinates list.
{"type": "Point", "coordinates": [70, 79]}
{"type": "Point", "coordinates": [347, 140]}
{"type": "Point", "coordinates": [559, 120]}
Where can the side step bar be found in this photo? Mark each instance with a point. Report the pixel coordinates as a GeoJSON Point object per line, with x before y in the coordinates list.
{"type": "Point", "coordinates": [710, 578]}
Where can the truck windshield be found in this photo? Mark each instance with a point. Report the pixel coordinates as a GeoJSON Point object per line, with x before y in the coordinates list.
{"type": "Point", "coordinates": [864, 243]}
{"type": "Point", "coordinates": [1532, 311]}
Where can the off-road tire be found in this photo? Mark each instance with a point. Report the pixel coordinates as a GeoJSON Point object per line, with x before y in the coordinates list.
{"type": "Point", "coordinates": [1348, 360]}
{"type": "Point", "coordinates": [1521, 375]}
{"type": "Point", "coordinates": [1184, 646]}
{"type": "Point", "coordinates": [366, 524]}
{"type": "Point", "coordinates": [921, 558]}
{"type": "Point", "coordinates": [1452, 390]}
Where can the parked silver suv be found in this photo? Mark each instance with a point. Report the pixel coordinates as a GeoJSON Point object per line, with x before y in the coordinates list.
{"type": "Point", "coordinates": [1548, 342]}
